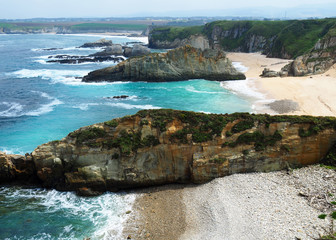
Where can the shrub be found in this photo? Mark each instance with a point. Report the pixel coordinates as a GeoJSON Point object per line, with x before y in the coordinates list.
{"type": "Point", "coordinates": [113, 123]}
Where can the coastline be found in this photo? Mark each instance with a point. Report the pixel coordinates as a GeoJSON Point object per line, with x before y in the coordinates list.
{"type": "Point", "coordinates": [236, 206]}
{"type": "Point", "coordinates": [315, 94]}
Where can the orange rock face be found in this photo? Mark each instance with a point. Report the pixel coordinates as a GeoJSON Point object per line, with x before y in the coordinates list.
{"type": "Point", "coordinates": [165, 146]}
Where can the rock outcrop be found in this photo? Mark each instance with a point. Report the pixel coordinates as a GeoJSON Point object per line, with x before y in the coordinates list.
{"type": "Point", "coordinates": [176, 65]}
{"type": "Point", "coordinates": [156, 147]}
{"type": "Point", "coordinates": [196, 41]}
{"type": "Point", "coordinates": [17, 169]}
{"type": "Point", "coordinates": [100, 43]}
{"type": "Point", "coordinates": [317, 61]}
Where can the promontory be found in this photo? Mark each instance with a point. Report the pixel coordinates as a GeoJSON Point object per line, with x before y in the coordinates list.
{"type": "Point", "coordinates": [183, 63]}
{"type": "Point", "coordinates": [155, 147]}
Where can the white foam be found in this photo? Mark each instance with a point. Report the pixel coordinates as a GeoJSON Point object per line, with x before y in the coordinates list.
{"type": "Point", "coordinates": [240, 67]}
{"type": "Point", "coordinates": [11, 150]}
{"type": "Point", "coordinates": [44, 108]}
{"type": "Point", "coordinates": [68, 77]}
{"type": "Point", "coordinates": [17, 110]}
{"type": "Point", "coordinates": [244, 88]}
{"type": "Point", "coordinates": [14, 109]}
{"type": "Point", "coordinates": [131, 106]}
{"type": "Point", "coordinates": [192, 89]}
{"type": "Point", "coordinates": [85, 106]}
{"type": "Point", "coordinates": [106, 212]}
{"type": "Point", "coordinates": [65, 49]}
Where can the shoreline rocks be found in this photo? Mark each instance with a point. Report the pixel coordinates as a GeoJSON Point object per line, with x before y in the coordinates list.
{"type": "Point", "coordinates": [100, 43]}
{"type": "Point", "coordinates": [156, 147]}
{"type": "Point", "coordinates": [176, 65]}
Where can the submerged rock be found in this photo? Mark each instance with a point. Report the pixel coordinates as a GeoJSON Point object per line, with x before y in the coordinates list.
{"type": "Point", "coordinates": [176, 65]}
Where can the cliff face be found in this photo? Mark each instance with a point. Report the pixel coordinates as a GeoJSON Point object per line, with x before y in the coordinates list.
{"type": "Point", "coordinates": [167, 146]}
{"type": "Point", "coordinates": [196, 41]}
{"type": "Point", "coordinates": [317, 61]}
{"type": "Point", "coordinates": [281, 39]}
{"type": "Point", "coordinates": [176, 65]}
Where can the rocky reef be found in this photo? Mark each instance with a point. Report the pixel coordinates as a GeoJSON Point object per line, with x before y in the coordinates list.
{"type": "Point", "coordinates": [155, 147]}
{"type": "Point", "coordinates": [176, 65]}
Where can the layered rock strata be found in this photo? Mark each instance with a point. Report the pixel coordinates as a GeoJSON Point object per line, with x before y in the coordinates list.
{"type": "Point", "coordinates": [156, 147]}
{"type": "Point", "coordinates": [176, 65]}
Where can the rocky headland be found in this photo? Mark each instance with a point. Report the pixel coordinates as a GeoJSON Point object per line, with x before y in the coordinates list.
{"type": "Point", "coordinates": [317, 61]}
{"type": "Point", "coordinates": [176, 65]}
{"type": "Point", "coordinates": [155, 147]}
{"type": "Point", "coordinates": [311, 43]}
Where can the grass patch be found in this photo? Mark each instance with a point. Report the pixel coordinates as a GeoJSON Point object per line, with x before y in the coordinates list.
{"type": "Point", "coordinates": [172, 33]}
{"type": "Point", "coordinates": [88, 134]}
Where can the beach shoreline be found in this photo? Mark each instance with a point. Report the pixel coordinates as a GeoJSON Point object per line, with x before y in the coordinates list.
{"type": "Point", "coordinates": [254, 205]}
{"type": "Point", "coordinates": [314, 94]}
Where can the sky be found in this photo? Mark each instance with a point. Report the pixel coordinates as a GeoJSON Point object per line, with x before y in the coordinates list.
{"type": "Point", "coordinates": [20, 9]}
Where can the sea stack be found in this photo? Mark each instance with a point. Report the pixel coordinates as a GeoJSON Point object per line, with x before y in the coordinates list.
{"type": "Point", "coordinates": [180, 64]}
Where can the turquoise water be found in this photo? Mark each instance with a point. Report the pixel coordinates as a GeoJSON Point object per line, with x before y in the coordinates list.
{"type": "Point", "coordinates": [41, 102]}
{"type": "Point", "coordinates": [41, 214]}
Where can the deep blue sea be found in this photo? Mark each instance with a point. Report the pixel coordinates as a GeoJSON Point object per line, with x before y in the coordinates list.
{"type": "Point", "coordinates": [41, 102]}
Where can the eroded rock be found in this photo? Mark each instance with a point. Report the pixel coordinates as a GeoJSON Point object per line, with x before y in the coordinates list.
{"type": "Point", "coordinates": [176, 65]}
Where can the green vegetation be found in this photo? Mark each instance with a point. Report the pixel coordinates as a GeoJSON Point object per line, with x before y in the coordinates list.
{"type": "Point", "coordinates": [112, 123]}
{"type": "Point", "coordinates": [330, 160]}
{"type": "Point", "coordinates": [129, 142]}
{"type": "Point", "coordinates": [300, 36]}
{"type": "Point", "coordinates": [203, 127]}
{"type": "Point", "coordinates": [172, 33]}
{"type": "Point", "coordinates": [281, 38]}
{"type": "Point", "coordinates": [107, 26]}
{"type": "Point", "coordinates": [332, 215]}
{"type": "Point", "coordinates": [260, 140]}
{"type": "Point", "coordinates": [88, 134]}
{"type": "Point", "coordinates": [243, 125]}
{"type": "Point", "coordinates": [200, 127]}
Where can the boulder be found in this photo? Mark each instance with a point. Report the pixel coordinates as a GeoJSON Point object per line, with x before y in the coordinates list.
{"type": "Point", "coordinates": [115, 49]}
{"type": "Point", "coordinates": [267, 73]}
{"type": "Point", "coordinates": [139, 50]}
{"type": "Point", "coordinates": [100, 43]}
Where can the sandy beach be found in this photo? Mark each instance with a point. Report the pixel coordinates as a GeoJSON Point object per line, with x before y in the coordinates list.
{"type": "Point", "coordinates": [315, 94]}
{"type": "Point", "coordinates": [279, 205]}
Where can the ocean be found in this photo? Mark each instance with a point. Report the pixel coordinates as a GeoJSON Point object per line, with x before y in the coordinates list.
{"type": "Point", "coordinates": [41, 102]}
